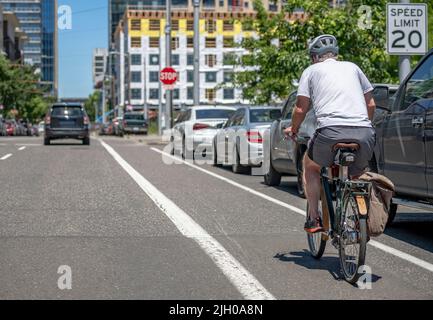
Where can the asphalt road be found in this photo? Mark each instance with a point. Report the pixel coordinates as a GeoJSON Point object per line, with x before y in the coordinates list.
{"type": "Point", "coordinates": [131, 226]}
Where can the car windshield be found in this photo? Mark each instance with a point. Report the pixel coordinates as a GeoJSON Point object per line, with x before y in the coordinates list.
{"type": "Point", "coordinates": [264, 115]}
{"type": "Point", "coordinates": [213, 114]}
{"type": "Point", "coordinates": [139, 117]}
{"type": "Point", "coordinates": [67, 111]}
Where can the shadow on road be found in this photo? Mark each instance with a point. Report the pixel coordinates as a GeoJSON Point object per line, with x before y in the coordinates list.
{"type": "Point", "coordinates": [327, 263]}
{"type": "Point", "coordinates": [414, 228]}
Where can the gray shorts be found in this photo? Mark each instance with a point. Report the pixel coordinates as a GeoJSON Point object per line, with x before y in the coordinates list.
{"type": "Point", "coordinates": [321, 145]}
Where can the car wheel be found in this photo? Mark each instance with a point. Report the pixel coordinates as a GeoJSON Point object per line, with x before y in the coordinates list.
{"type": "Point", "coordinates": [300, 173]}
{"type": "Point", "coordinates": [86, 141]}
{"type": "Point", "coordinates": [392, 213]}
{"type": "Point", "coordinates": [236, 163]}
{"type": "Point", "coordinates": [272, 177]}
{"type": "Point", "coordinates": [46, 141]}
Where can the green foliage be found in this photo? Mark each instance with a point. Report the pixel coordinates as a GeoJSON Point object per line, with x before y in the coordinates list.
{"type": "Point", "coordinates": [272, 66]}
{"type": "Point", "coordinates": [93, 100]}
{"type": "Point", "coordinates": [20, 90]}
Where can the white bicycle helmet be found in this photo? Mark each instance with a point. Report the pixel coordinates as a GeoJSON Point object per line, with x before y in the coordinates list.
{"type": "Point", "coordinates": [323, 44]}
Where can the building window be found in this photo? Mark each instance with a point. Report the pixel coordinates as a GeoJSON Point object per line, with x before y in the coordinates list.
{"type": "Point", "coordinates": [136, 42]}
{"type": "Point", "coordinates": [154, 42]}
{"type": "Point", "coordinates": [190, 42]}
{"type": "Point", "coordinates": [153, 76]}
{"type": "Point", "coordinates": [229, 59]}
{"type": "Point", "coordinates": [153, 94]}
{"type": "Point", "coordinates": [136, 24]}
{"type": "Point", "coordinates": [175, 25]}
{"type": "Point", "coordinates": [154, 59]}
{"type": "Point", "coordinates": [229, 93]}
{"type": "Point", "coordinates": [136, 59]}
{"type": "Point", "coordinates": [190, 59]}
{"type": "Point", "coordinates": [190, 93]}
{"type": "Point", "coordinates": [210, 26]}
{"type": "Point", "coordinates": [174, 43]}
{"type": "Point", "coordinates": [154, 24]}
{"type": "Point", "coordinates": [176, 94]}
{"type": "Point", "coordinates": [228, 76]}
{"type": "Point", "coordinates": [136, 76]}
{"type": "Point", "coordinates": [273, 7]}
{"type": "Point", "coordinates": [210, 94]}
{"type": "Point", "coordinates": [136, 94]}
{"type": "Point", "coordinates": [228, 25]}
{"type": "Point", "coordinates": [211, 77]}
{"type": "Point", "coordinates": [210, 60]}
{"type": "Point", "coordinates": [175, 59]}
{"type": "Point", "coordinates": [229, 42]}
{"type": "Point", "coordinates": [189, 25]}
{"type": "Point", "coordinates": [190, 76]}
{"type": "Point", "coordinates": [210, 42]}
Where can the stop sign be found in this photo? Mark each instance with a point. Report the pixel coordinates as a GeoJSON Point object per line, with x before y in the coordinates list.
{"type": "Point", "coordinates": [168, 76]}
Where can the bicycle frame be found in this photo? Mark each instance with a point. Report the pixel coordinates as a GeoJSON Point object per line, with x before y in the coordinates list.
{"type": "Point", "coordinates": [359, 189]}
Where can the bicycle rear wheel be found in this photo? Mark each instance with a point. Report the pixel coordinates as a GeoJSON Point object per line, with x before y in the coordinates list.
{"type": "Point", "coordinates": [317, 241]}
{"type": "Point", "coordinates": [353, 240]}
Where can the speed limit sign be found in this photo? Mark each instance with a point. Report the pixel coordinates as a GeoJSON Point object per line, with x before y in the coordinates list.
{"type": "Point", "coordinates": [406, 28]}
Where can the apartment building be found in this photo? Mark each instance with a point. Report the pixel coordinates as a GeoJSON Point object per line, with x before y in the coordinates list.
{"type": "Point", "coordinates": [12, 37]}
{"type": "Point", "coordinates": [38, 19]}
{"type": "Point", "coordinates": [99, 66]}
{"type": "Point", "coordinates": [139, 52]}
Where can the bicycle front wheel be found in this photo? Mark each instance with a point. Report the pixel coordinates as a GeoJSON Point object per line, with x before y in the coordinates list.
{"type": "Point", "coordinates": [353, 240]}
{"type": "Point", "coordinates": [316, 241]}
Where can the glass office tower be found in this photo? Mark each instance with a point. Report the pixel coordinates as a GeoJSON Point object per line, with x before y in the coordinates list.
{"type": "Point", "coordinates": [38, 19]}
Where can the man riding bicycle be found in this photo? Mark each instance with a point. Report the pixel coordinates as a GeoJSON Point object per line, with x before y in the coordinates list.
{"type": "Point", "coordinates": [342, 99]}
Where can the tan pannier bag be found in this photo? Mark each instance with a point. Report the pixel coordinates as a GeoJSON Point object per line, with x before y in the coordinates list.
{"type": "Point", "coordinates": [380, 202]}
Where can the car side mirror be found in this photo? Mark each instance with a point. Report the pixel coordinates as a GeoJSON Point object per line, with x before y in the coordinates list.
{"type": "Point", "coordinates": [381, 97]}
{"type": "Point", "coordinates": [220, 125]}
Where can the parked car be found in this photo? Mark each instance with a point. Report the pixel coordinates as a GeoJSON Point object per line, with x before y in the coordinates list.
{"type": "Point", "coordinates": [41, 128]}
{"type": "Point", "coordinates": [117, 126]}
{"type": "Point", "coordinates": [3, 131]}
{"type": "Point", "coordinates": [284, 156]}
{"type": "Point", "coordinates": [196, 127]}
{"type": "Point", "coordinates": [404, 128]}
{"type": "Point", "coordinates": [134, 122]}
{"type": "Point", "coordinates": [67, 120]}
{"type": "Point", "coordinates": [11, 127]}
{"type": "Point", "coordinates": [240, 142]}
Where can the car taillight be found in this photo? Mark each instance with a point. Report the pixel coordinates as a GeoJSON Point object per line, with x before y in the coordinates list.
{"type": "Point", "coordinates": [200, 126]}
{"type": "Point", "coordinates": [86, 120]}
{"type": "Point", "coordinates": [254, 137]}
{"type": "Point", "coordinates": [47, 120]}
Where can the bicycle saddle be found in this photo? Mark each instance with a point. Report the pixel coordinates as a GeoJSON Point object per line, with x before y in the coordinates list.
{"type": "Point", "coordinates": [346, 146]}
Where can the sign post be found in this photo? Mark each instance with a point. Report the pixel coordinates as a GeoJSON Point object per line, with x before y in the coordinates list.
{"type": "Point", "coordinates": [406, 32]}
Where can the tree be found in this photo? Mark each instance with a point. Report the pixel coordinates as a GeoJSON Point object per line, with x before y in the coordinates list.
{"type": "Point", "coordinates": [93, 100]}
{"type": "Point", "coordinates": [278, 55]}
{"type": "Point", "coordinates": [20, 90]}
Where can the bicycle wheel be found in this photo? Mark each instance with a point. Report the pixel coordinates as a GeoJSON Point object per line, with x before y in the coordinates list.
{"type": "Point", "coordinates": [317, 241]}
{"type": "Point", "coordinates": [353, 240]}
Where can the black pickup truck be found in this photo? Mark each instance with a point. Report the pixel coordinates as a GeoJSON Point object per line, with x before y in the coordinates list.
{"type": "Point", "coordinates": [404, 127]}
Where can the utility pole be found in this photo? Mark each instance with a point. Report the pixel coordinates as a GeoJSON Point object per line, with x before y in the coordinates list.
{"type": "Point", "coordinates": [196, 87]}
{"type": "Point", "coordinates": [168, 93]}
{"type": "Point", "coordinates": [404, 61]}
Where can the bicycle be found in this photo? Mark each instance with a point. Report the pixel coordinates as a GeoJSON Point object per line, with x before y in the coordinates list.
{"type": "Point", "coordinates": [346, 222]}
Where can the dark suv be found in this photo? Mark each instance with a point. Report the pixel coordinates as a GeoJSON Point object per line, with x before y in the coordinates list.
{"type": "Point", "coordinates": [404, 127]}
{"type": "Point", "coordinates": [67, 121]}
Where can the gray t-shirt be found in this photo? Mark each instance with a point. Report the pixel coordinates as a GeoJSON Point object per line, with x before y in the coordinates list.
{"type": "Point", "coordinates": [336, 89]}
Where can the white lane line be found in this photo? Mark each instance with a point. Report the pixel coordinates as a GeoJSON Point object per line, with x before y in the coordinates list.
{"type": "Point", "coordinates": [402, 255]}
{"type": "Point", "coordinates": [22, 148]}
{"type": "Point", "coordinates": [6, 156]}
{"type": "Point", "coordinates": [241, 278]}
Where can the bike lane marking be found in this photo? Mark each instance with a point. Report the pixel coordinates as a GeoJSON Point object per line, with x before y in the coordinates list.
{"type": "Point", "coordinates": [22, 148]}
{"type": "Point", "coordinates": [241, 278]}
{"type": "Point", "coordinates": [383, 247]}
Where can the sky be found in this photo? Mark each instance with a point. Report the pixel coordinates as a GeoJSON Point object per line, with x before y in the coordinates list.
{"type": "Point", "coordinates": [89, 31]}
